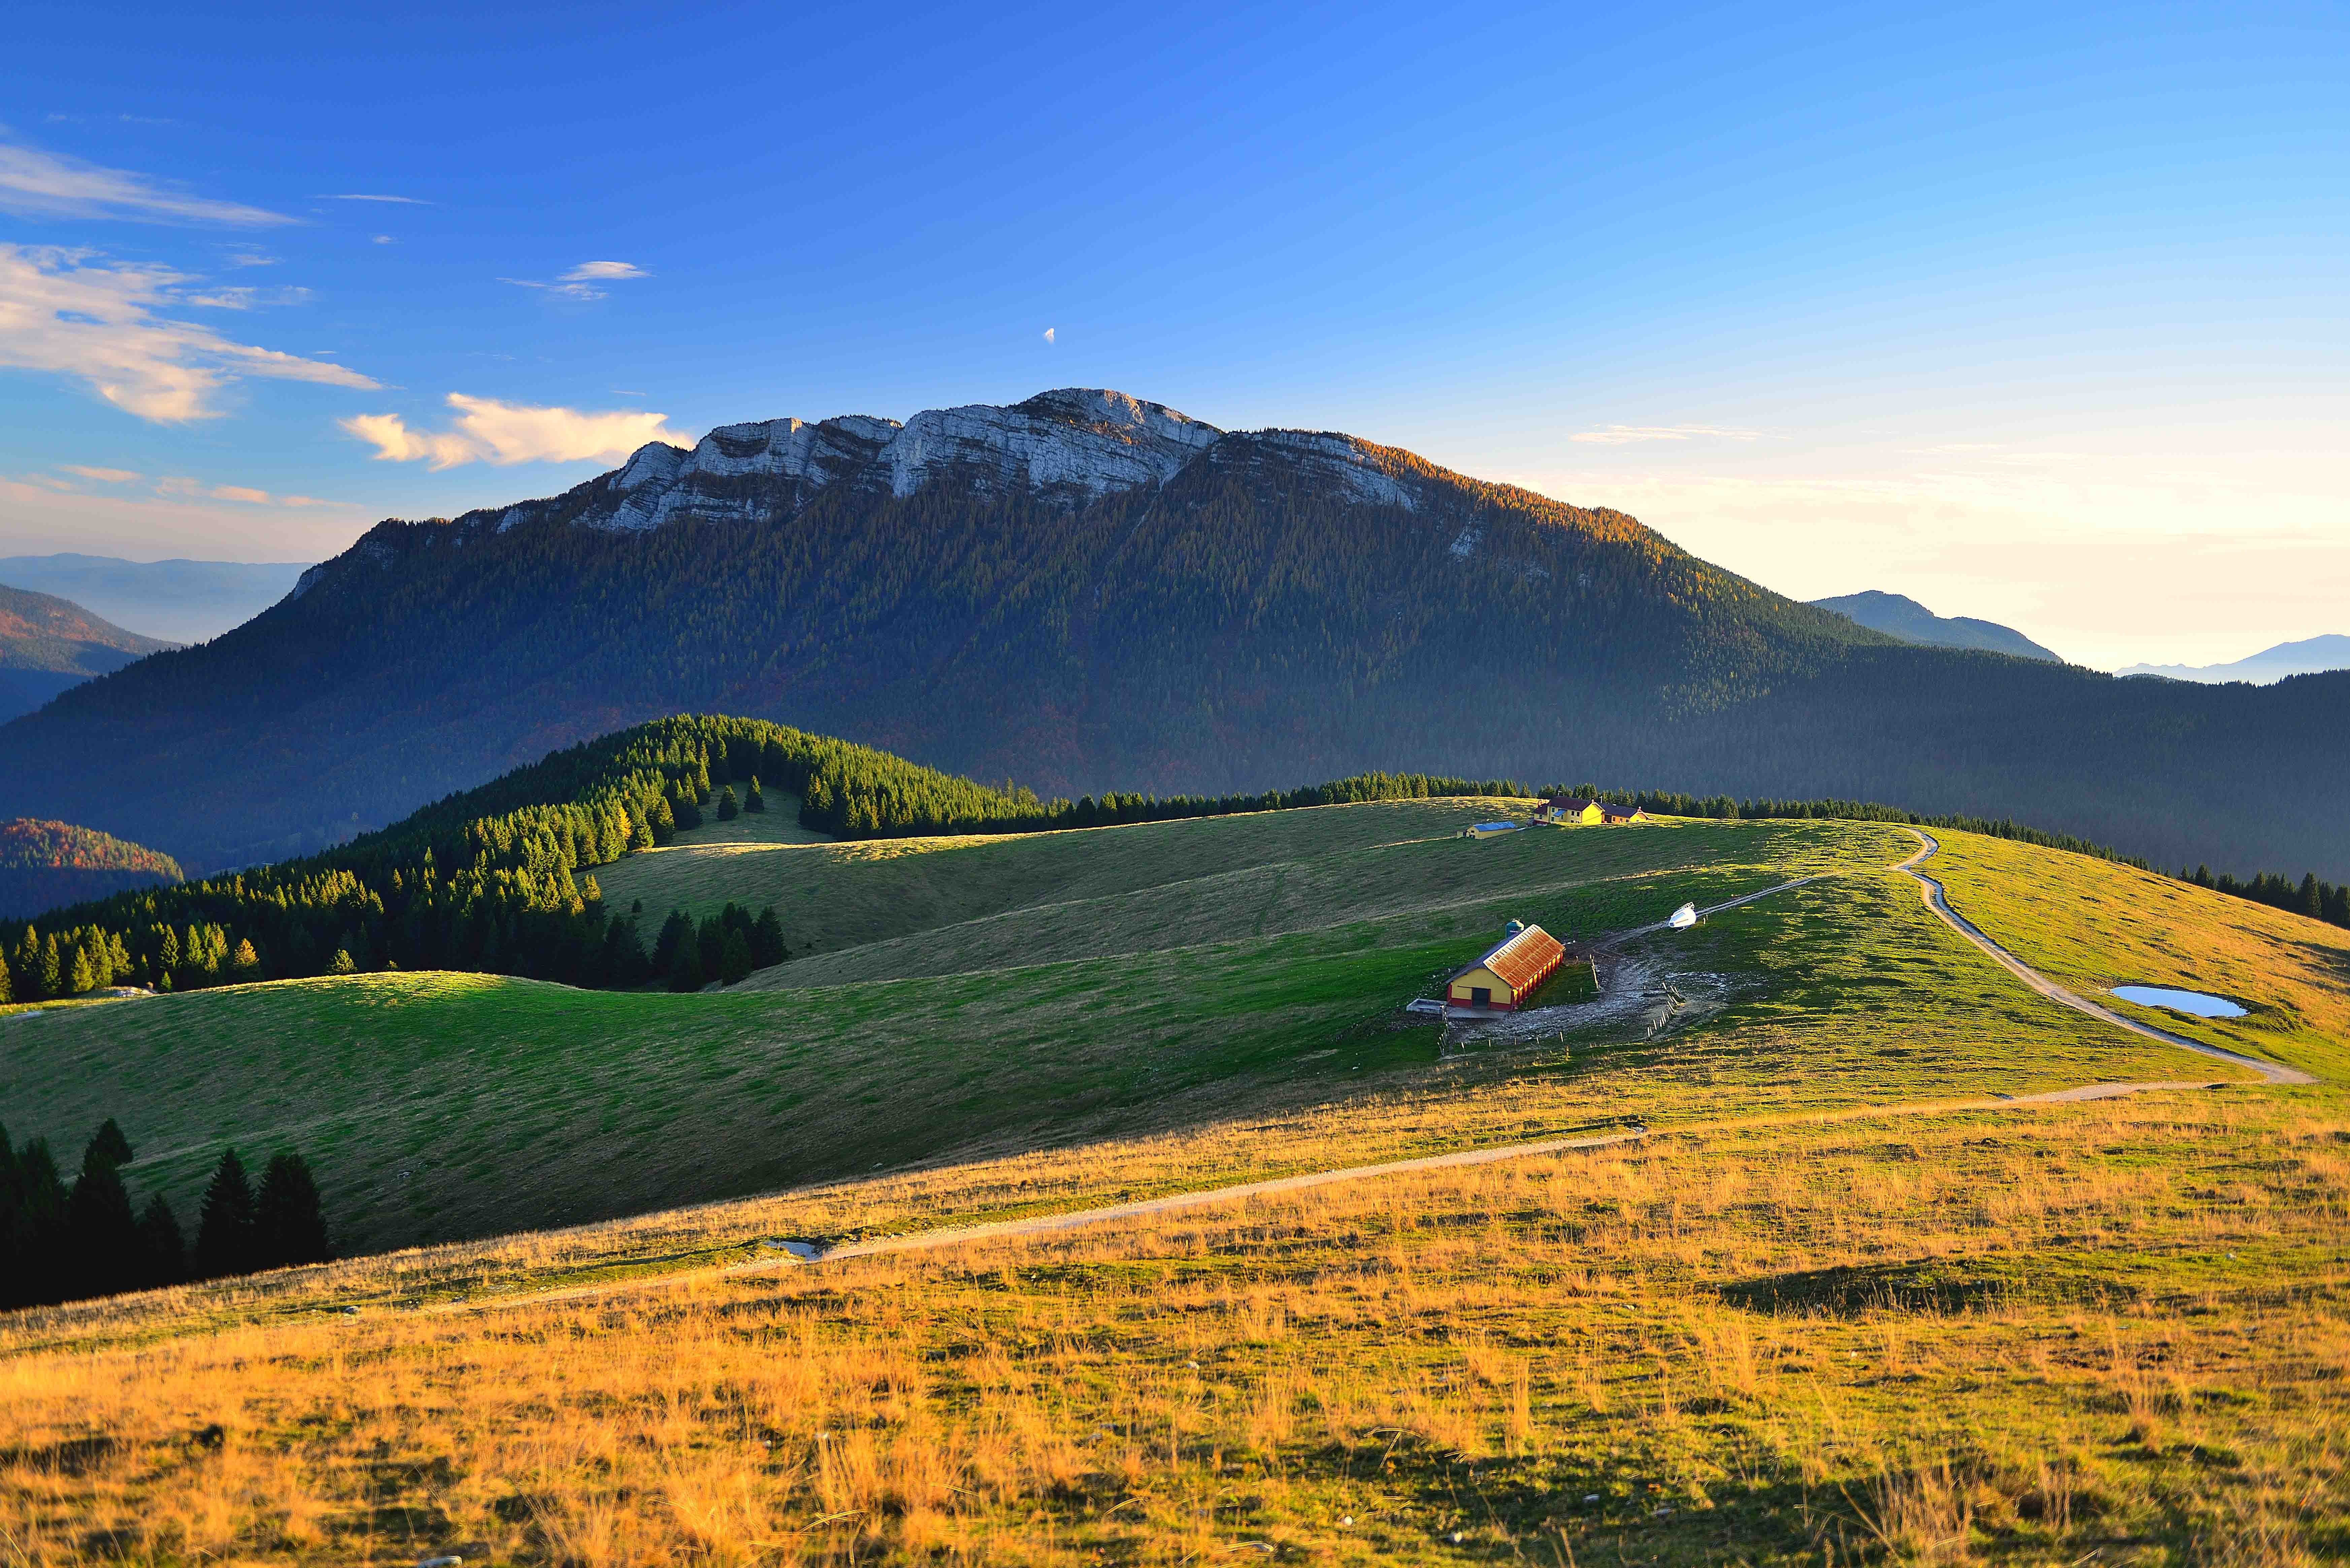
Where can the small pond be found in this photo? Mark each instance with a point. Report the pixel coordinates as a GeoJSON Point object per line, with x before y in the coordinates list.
{"type": "Point", "coordinates": [2193, 1002]}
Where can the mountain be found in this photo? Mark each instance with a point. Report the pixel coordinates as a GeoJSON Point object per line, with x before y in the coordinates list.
{"type": "Point", "coordinates": [48, 644]}
{"type": "Point", "coordinates": [44, 865]}
{"type": "Point", "coordinates": [1898, 615]}
{"type": "Point", "coordinates": [2311, 656]}
{"type": "Point", "coordinates": [186, 601]}
{"type": "Point", "coordinates": [1086, 592]}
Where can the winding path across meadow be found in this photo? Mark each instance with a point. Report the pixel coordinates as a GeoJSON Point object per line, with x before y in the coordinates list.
{"type": "Point", "coordinates": [1939, 901]}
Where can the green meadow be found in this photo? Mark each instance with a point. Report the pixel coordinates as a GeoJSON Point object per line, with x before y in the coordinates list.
{"type": "Point", "coordinates": [1008, 994]}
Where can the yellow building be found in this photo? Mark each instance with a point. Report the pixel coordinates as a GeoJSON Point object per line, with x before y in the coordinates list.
{"type": "Point", "coordinates": [1573, 811]}
{"type": "Point", "coordinates": [1511, 970]}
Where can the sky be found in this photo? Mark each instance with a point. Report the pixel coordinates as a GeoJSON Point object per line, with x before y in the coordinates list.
{"type": "Point", "coordinates": [2032, 313]}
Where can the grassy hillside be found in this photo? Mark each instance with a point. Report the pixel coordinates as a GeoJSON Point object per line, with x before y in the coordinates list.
{"type": "Point", "coordinates": [1845, 1306]}
{"type": "Point", "coordinates": [1005, 994]}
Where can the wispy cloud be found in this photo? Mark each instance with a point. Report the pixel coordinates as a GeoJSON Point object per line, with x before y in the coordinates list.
{"type": "Point", "coordinates": [365, 196]}
{"type": "Point", "coordinates": [580, 282]}
{"type": "Point", "coordinates": [71, 313]}
{"type": "Point", "coordinates": [490, 431]}
{"type": "Point", "coordinates": [179, 487]}
{"type": "Point", "coordinates": [1626, 435]}
{"type": "Point", "coordinates": [103, 476]}
{"type": "Point", "coordinates": [37, 184]}
{"type": "Point", "coordinates": [1048, 335]}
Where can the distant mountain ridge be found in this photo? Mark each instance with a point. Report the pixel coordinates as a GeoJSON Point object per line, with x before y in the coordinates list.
{"type": "Point", "coordinates": [1085, 591]}
{"type": "Point", "coordinates": [45, 864]}
{"type": "Point", "coordinates": [48, 644]}
{"type": "Point", "coordinates": [1896, 615]}
{"type": "Point", "coordinates": [185, 601]}
{"type": "Point", "coordinates": [2311, 656]}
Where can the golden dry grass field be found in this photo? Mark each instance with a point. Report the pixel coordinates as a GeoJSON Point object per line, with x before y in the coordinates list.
{"type": "Point", "coordinates": [1843, 1304]}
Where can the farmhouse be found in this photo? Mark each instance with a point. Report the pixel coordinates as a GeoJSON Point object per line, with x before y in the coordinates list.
{"type": "Point", "coordinates": [1511, 970]}
{"type": "Point", "coordinates": [1573, 811]}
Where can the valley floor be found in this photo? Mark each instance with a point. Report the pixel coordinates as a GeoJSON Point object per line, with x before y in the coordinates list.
{"type": "Point", "coordinates": [1854, 1295]}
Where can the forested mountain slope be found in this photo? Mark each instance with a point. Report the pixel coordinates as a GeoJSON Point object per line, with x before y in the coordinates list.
{"type": "Point", "coordinates": [46, 864]}
{"type": "Point", "coordinates": [1086, 592]}
{"type": "Point", "coordinates": [48, 644]}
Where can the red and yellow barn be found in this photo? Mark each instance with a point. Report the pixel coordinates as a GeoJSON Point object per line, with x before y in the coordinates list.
{"type": "Point", "coordinates": [1510, 972]}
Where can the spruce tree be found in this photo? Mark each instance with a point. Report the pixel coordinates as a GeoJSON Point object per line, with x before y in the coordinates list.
{"type": "Point", "coordinates": [26, 967]}
{"type": "Point", "coordinates": [675, 932]}
{"type": "Point", "coordinates": [754, 800]}
{"type": "Point", "coordinates": [13, 1236]}
{"type": "Point", "coordinates": [728, 807]}
{"type": "Point", "coordinates": [768, 940]}
{"type": "Point", "coordinates": [109, 1144]}
{"type": "Point", "coordinates": [80, 979]}
{"type": "Point", "coordinates": [685, 966]}
{"type": "Point", "coordinates": [287, 1226]}
{"type": "Point", "coordinates": [41, 1220]}
{"type": "Point", "coordinates": [52, 971]}
{"type": "Point", "coordinates": [733, 959]}
{"type": "Point", "coordinates": [7, 984]}
{"type": "Point", "coordinates": [101, 1233]}
{"type": "Point", "coordinates": [224, 1230]}
{"type": "Point", "coordinates": [163, 1255]}
{"type": "Point", "coordinates": [710, 942]}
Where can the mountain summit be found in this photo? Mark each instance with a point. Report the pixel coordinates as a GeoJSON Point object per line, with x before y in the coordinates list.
{"type": "Point", "coordinates": [1087, 591]}
{"type": "Point", "coordinates": [1896, 614]}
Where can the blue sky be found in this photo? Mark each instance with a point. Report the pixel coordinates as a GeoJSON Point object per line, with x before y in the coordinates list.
{"type": "Point", "coordinates": [2035, 313]}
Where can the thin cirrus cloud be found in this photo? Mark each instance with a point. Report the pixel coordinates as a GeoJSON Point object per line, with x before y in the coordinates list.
{"type": "Point", "coordinates": [364, 196]}
{"type": "Point", "coordinates": [488, 430]}
{"type": "Point", "coordinates": [581, 281]}
{"type": "Point", "coordinates": [1626, 435]}
{"type": "Point", "coordinates": [102, 475]}
{"type": "Point", "coordinates": [37, 184]}
{"type": "Point", "coordinates": [73, 313]}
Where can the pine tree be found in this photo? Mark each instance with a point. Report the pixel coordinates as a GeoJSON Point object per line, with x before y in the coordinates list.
{"type": "Point", "coordinates": [710, 942]}
{"type": "Point", "coordinates": [287, 1226]}
{"type": "Point", "coordinates": [341, 962]}
{"type": "Point", "coordinates": [13, 1238]}
{"type": "Point", "coordinates": [728, 807]}
{"type": "Point", "coordinates": [768, 940]}
{"type": "Point", "coordinates": [26, 967]}
{"type": "Point", "coordinates": [7, 983]}
{"type": "Point", "coordinates": [101, 1232]}
{"type": "Point", "coordinates": [754, 800]}
{"type": "Point", "coordinates": [109, 1144]}
{"type": "Point", "coordinates": [224, 1230]}
{"type": "Point", "coordinates": [52, 968]}
{"type": "Point", "coordinates": [80, 980]}
{"type": "Point", "coordinates": [163, 1255]}
{"type": "Point", "coordinates": [685, 966]}
{"type": "Point", "coordinates": [733, 959]}
{"type": "Point", "coordinates": [675, 932]}
{"type": "Point", "coordinates": [244, 965]}
{"type": "Point", "coordinates": [41, 1226]}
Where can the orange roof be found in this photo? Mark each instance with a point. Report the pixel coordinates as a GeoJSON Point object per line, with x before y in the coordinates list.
{"type": "Point", "coordinates": [1519, 961]}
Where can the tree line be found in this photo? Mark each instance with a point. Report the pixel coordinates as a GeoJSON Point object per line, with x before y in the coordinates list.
{"type": "Point", "coordinates": [498, 879]}
{"type": "Point", "coordinates": [62, 1242]}
{"type": "Point", "coordinates": [2320, 900]}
